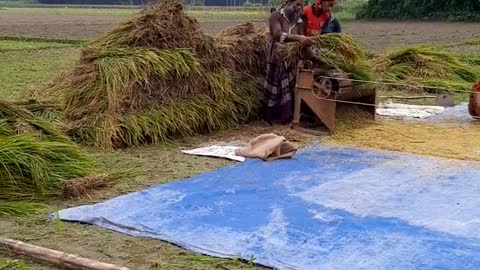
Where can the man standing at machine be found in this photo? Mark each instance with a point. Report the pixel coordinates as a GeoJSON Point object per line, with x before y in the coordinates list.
{"type": "Point", "coordinates": [319, 20]}
{"type": "Point", "coordinates": [285, 25]}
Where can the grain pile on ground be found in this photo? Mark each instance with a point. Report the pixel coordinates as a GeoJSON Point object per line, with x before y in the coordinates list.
{"type": "Point", "coordinates": [427, 66]}
{"type": "Point", "coordinates": [35, 160]}
{"type": "Point", "coordinates": [418, 138]}
{"type": "Point", "coordinates": [158, 76]}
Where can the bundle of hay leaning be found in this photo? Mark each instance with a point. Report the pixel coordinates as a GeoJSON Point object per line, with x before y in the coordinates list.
{"type": "Point", "coordinates": [425, 66]}
{"type": "Point", "coordinates": [338, 52]}
{"type": "Point", "coordinates": [158, 76]}
{"type": "Point", "coordinates": [335, 51]}
{"type": "Point", "coordinates": [35, 159]}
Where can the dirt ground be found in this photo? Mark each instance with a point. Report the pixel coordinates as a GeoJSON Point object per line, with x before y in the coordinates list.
{"type": "Point", "coordinates": [375, 35]}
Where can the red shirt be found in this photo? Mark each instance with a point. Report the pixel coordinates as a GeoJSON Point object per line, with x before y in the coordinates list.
{"type": "Point", "coordinates": [314, 24]}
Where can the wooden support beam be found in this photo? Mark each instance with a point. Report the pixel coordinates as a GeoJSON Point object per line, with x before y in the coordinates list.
{"type": "Point", "coordinates": [58, 258]}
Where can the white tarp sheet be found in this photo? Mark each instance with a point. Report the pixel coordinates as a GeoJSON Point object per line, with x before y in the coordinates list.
{"type": "Point", "coordinates": [406, 110]}
{"type": "Point", "coordinates": [222, 151]}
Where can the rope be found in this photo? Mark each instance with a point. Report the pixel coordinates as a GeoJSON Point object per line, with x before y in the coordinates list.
{"type": "Point", "coordinates": [361, 103]}
{"type": "Point", "coordinates": [384, 83]}
{"type": "Point", "coordinates": [352, 102]}
{"type": "Point", "coordinates": [401, 84]}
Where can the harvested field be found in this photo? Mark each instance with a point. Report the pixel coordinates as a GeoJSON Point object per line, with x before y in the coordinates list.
{"type": "Point", "coordinates": [77, 26]}
{"type": "Point", "coordinates": [28, 64]}
{"type": "Point", "coordinates": [378, 35]}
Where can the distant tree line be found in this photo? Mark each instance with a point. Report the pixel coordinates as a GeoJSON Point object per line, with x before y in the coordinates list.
{"type": "Point", "coordinates": [92, 2]}
{"type": "Point", "coordinates": [458, 10]}
{"type": "Point", "coordinates": [142, 2]}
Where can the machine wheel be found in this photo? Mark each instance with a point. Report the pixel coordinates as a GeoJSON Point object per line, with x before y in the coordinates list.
{"type": "Point", "coordinates": [474, 102]}
{"type": "Point", "coordinates": [325, 87]}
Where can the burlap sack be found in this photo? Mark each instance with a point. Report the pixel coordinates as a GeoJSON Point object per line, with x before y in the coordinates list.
{"type": "Point", "coordinates": [268, 147]}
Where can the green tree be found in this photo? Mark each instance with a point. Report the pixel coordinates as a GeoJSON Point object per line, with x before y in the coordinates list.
{"type": "Point", "coordinates": [462, 10]}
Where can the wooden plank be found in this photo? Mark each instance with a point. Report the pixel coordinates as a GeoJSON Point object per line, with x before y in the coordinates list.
{"type": "Point", "coordinates": [58, 258]}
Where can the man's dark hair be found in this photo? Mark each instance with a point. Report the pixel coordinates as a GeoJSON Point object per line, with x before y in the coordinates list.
{"type": "Point", "coordinates": [273, 10]}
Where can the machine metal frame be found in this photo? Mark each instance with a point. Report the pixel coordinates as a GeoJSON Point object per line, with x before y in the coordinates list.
{"type": "Point", "coordinates": [321, 90]}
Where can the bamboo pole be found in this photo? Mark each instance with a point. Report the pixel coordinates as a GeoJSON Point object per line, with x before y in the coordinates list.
{"type": "Point", "coordinates": [58, 258]}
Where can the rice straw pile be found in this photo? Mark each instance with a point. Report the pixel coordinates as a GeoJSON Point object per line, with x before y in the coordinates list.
{"type": "Point", "coordinates": [158, 76]}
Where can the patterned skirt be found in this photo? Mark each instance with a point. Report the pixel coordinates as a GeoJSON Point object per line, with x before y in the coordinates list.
{"type": "Point", "coordinates": [278, 94]}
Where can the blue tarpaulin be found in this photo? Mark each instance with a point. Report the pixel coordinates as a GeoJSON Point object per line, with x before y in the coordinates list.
{"type": "Point", "coordinates": [328, 208]}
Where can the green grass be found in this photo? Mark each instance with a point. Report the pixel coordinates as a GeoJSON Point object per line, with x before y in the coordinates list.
{"type": "Point", "coordinates": [43, 39]}
{"type": "Point", "coordinates": [13, 265]}
{"type": "Point", "coordinates": [20, 209]}
{"type": "Point", "coordinates": [25, 69]}
{"type": "Point", "coordinates": [11, 45]}
{"type": "Point", "coordinates": [70, 11]}
{"type": "Point", "coordinates": [230, 15]}
{"type": "Point", "coordinates": [208, 14]}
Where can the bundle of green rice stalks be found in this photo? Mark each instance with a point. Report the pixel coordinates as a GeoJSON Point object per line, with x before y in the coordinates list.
{"type": "Point", "coordinates": [158, 76]}
{"type": "Point", "coordinates": [425, 66]}
{"type": "Point", "coordinates": [16, 119]}
{"type": "Point", "coordinates": [35, 158]}
{"type": "Point", "coordinates": [336, 51]}
{"type": "Point", "coordinates": [52, 93]}
{"type": "Point", "coordinates": [44, 110]}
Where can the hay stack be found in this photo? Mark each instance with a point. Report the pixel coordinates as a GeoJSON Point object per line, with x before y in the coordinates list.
{"type": "Point", "coordinates": [245, 46]}
{"type": "Point", "coordinates": [158, 76]}
{"type": "Point", "coordinates": [425, 66]}
{"type": "Point", "coordinates": [35, 159]}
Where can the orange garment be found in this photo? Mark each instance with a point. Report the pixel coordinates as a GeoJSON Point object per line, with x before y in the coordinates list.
{"type": "Point", "coordinates": [314, 24]}
{"type": "Point", "coordinates": [474, 102]}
